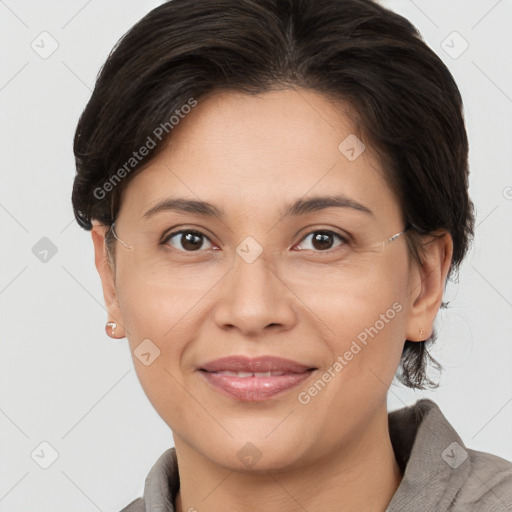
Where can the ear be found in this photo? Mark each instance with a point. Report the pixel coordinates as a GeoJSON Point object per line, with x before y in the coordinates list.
{"type": "Point", "coordinates": [428, 286]}
{"type": "Point", "coordinates": [106, 271]}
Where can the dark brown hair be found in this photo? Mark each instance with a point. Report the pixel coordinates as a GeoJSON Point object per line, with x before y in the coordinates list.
{"type": "Point", "coordinates": [407, 104]}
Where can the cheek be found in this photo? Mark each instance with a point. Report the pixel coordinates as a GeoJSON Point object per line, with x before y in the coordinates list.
{"type": "Point", "coordinates": [152, 310]}
{"type": "Point", "coordinates": [363, 324]}
{"type": "Point", "coordinates": [368, 345]}
{"type": "Point", "coordinates": [153, 329]}
{"type": "Point", "coordinates": [157, 339]}
{"type": "Point", "coordinates": [347, 302]}
{"type": "Point", "coordinates": [365, 354]}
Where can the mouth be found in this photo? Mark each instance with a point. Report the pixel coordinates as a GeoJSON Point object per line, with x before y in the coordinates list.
{"type": "Point", "coordinates": [244, 375]}
{"type": "Point", "coordinates": [256, 379]}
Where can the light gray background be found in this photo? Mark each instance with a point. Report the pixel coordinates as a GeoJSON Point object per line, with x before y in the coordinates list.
{"type": "Point", "coordinates": [64, 382]}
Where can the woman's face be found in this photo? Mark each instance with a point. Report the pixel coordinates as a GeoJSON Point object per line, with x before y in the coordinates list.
{"type": "Point", "coordinates": [258, 281]}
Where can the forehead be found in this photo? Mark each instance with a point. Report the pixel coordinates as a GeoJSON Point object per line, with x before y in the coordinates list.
{"type": "Point", "coordinates": [255, 153]}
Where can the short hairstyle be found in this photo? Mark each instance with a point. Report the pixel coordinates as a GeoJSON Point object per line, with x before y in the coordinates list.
{"type": "Point", "coordinates": [404, 100]}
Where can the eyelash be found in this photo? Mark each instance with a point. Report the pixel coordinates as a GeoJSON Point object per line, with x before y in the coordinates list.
{"type": "Point", "coordinates": [343, 239]}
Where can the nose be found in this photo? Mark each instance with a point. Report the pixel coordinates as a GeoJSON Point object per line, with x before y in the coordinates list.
{"type": "Point", "coordinates": [254, 299]}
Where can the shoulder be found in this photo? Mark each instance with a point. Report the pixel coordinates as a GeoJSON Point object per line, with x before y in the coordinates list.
{"type": "Point", "coordinates": [136, 505]}
{"type": "Point", "coordinates": [161, 485]}
{"type": "Point", "coordinates": [488, 485]}
{"type": "Point", "coordinates": [483, 480]}
{"type": "Point", "coordinates": [440, 472]}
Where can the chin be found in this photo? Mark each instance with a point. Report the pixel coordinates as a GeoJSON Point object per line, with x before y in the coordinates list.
{"type": "Point", "coordinates": [257, 456]}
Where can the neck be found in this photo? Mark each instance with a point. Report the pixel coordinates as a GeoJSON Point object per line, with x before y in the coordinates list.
{"type": "Point", "coordinates": [362, 476]}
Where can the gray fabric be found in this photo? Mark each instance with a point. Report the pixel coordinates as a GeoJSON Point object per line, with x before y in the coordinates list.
{"type": "Point", "coordinates": [438, 475]}
{"type": "Point", "coordinates": [441, 474]}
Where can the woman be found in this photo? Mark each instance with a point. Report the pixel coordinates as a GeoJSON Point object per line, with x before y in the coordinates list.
{"type": "Point", "coordinates": [277, 193]}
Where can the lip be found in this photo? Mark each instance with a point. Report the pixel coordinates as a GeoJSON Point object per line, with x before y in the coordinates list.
{"type": "Point", "coordinates": [255, 388]}
{"type": "Point", "coordinates": [257, 364]}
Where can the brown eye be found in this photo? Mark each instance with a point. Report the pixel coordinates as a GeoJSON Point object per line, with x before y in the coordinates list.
{"type": "Point", "coordinates": [322, 240]}
{"type": "Point", "coordinates": [187, 240]}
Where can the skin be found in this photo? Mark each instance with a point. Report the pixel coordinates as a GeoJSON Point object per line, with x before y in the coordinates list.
{"type": "Point", "coordinates": [251, 155]}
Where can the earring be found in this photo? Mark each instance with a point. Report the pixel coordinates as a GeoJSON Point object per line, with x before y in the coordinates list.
{"type": "Point", "coordinates": [112, 327]}
{"type": "Point", "coordinates": [421, 332]}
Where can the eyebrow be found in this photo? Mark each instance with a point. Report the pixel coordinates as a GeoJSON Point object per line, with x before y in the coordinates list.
{"type": "Point", "coordinates": [298, 207]}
